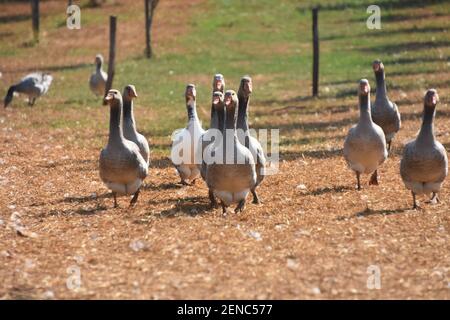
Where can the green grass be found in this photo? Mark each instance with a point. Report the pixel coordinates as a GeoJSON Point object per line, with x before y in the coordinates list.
{"type": "Point", "coordinates": [270, 41]}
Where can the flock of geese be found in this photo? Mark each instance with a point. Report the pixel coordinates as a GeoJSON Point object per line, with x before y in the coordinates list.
{"type": "Point", "coordinates": [124, 162]}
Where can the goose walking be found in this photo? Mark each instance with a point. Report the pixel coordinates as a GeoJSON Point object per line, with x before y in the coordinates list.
{"type": "Point", "coordinates": [234, 175]}
{"type": "Point", "coordinates": [129, 124]}
{"type": "Point", "coordinates": [424, 165]}
{"type": "Point", "coordinates": [211, 136]}
{"type": "Point", "coordinates": [384, 112]}
{"type": "Point", "coordinates": [33, 85]}
{"type": "Point", "coordinates": [122, 167]}
{"type": "Point", "coordinates": [365, 144]}
{"type": "Point", "coordinates": [250, 142]}
{"type": "Point", "coordinates": [97, 81]}
{"type": "Point", "coordinates": [187, 145]}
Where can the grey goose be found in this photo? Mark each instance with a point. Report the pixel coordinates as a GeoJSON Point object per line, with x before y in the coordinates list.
{"type": "Point", "coordinates": [97, 81]}
{"type": "Point", "coordinates": [122, 167]}
{"type": "Point", "coordinates": [424, 165]}
{"type": "Point", "coordinates": [365, 144]}
{"type": "Point", "coordinates": [33, 85]}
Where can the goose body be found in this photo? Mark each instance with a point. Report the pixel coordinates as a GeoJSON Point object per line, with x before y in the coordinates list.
{"type": "Point", "coordinates": [424, 165]}
{"type": "Point", "coordinates": [230, 180]}
{"type": "Point", "coordinates": [384, 112]}
{"type": "Point", "coordinates": [365, 144]}
{"type": "Point", "coordinates": [250, 142]}
{"type": "Point", "coordinates": [122, 167]}
{"type": "Point", "coordinates": [97, 81]}
{"type": "Point", "coordinates": [187, 145]}
{"type": "Point", "coordinates": [129, 123]}
{"type": "Point", "coordinates": [33, 85]}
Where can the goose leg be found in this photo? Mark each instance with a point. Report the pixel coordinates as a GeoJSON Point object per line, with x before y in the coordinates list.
{"type": "Point", "coordinates": [255, 197]}
{"type": "Point", "coordinates": [31, 102]}
{"type": "Point", "coordinates": [115, 200]}
{"type": "Point", "coordinates": [184, 183]}
{"type": "Point", "coordinates": [358, 179]}
{"type": "Point", "coordinates": [389, 146]}
{"type": "Point", "coordinates": [135, 198]}
{"type": "Point", "coordinates": [374, 178]}
{"type": "Point", "coordinates": [240, 207]}
{"type": "Point", "coordinates": [224, 209]}
{"type": "Point", "coordinates": [212, 199]}
{"type": "Point", "coordinates": [415, 206]}
{"type": "Point", "coordinates": [435, 198]}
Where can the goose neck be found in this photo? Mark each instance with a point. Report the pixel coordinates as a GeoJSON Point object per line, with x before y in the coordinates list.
{"type": "Point", "coordinates": [426, 133]}
{"type": "Point", "coordinates": [242, 119]}
{"type": "Point", "coordinates": [381, 86]}
{"type": "Point", "coordinates": [128, 113]}
{"type": "Point", "coordinates": [115, 128]}
{"type": "Point", "coordinates": [364, 109]}
{"type": "Point", "coordinates": [192, 110]}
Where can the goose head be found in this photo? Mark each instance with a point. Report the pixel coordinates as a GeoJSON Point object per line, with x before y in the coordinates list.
{"type": "Point", "coordinates": [218, 82]}
{"type": "Point", "coordinates": [246, 86]}
{"type": "Point", "coordinates": [378, 66]}
{"type": "Point", "coordinates": [98, 61]}
{"type": "Point", "coordinates": [217, 100]}
{"type": "Point", "coordinates": [431, 98]}
{"type": "Point", "coordinates": [9, 96]}
{"type": "Point", "coordinates": [129, 93]}
{"type": "Point", "coordinates": [114, 98]}
{"type": "Point", "coordinates": [231, 102]}
{"type": "Point", "coordinates": [190, 93]}
{"type": "Point", "coordinates": [364, 88]}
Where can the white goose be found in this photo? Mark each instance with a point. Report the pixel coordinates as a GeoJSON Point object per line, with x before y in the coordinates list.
{"type": "Point", "coordinates": [230, 178]}
{"type": "Point", "coordinates": [122, 167]}
{"type": "Point", "coordinates": [186, 153]}
{"type": "Point", "coordinates": [129, 124]}
{"type": "Point", "coordinates": [365, 145]}
{"type": "Point", "coordinates": [97, 81]}
{"type": "Point", "coordinates": [384, 112]}
{"type": "Point", "coordinates": [33, 85]}
{"type": "Point", "coordinates": [245, 90]}
{"type": "Point", "coordinates": [424, 165]}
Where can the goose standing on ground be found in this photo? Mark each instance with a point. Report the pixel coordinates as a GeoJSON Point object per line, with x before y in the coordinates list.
{"type": "Point", "coordinates": [245, 90]}
{"type": "Point", "coordinates": [365, 145]}
{"type": "Point", "coordinates": [97, 82]}
{"type": "Point", "coordinates": [384, 112]}
{"type": "Point", "coordinates": [33, 85]}
{"type": "Point", "coordinates": [231, 180]}
{"type": "Point", "coordinates": [129, 124]}
{"type": "Point", "coordinates": [122, 167]}
{"type": "Point", "coordinates": [424, 165]}
{"type": "Point", "coordinates": [188, 140]}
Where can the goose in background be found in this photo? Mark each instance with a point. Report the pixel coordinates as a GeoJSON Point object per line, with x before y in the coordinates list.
{"type": "Point", "coordinates": [243, 133]}
{"type": "Point", "coordinates": [232, 179]}
{"type": "Point", "coordinates": [188, 140]}
{"type": "Point", "coordinates": [97, 81]}
{"type": "Point", "coordinates": [129, 124]}
{"type": "Point", "coordinates": [33, 85]}
{"type": "Point", "coordinates": [122, 167]}
{"type": "Point", "coordinates": [424, 165]}
{"type": "Point", "coordinates": [384, 112]}
{"type": "Point", "coordinates": [365, 144]}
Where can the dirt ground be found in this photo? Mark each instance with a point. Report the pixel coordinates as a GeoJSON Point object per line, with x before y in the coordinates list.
{"type": "Point", "coordinates": [313, 237]}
